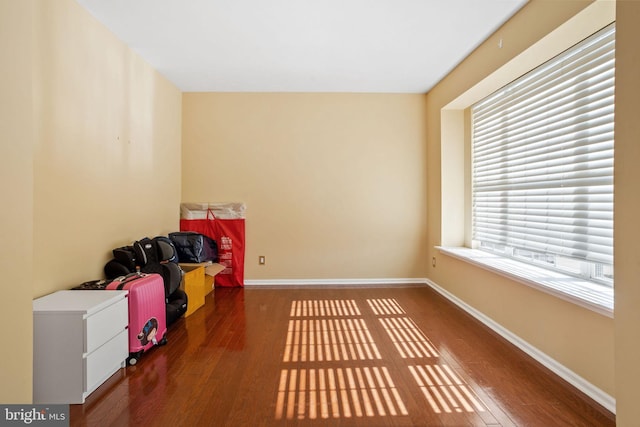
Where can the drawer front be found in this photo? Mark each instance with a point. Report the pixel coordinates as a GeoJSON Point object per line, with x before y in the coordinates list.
{"type": "Point", "coordinates": [105, 324]}
{"type": "Point", "coordinates": [102, 363]}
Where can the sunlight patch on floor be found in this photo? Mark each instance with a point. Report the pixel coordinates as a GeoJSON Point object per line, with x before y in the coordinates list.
{"type": "Point", "coordinates": [444, 390]}
{"type": "Point", "coordinates": [329, 340]}
{"type": "Point", "coordinates": [335, 331]}
{"type": "Point", "coordinates": [321, 308]}
{"type": "Point", "coordinates": [385, 306]}
{"type": "Point", "coordinates": [334, 393]}
{"type": "Point", "coordinates": [408, 338]}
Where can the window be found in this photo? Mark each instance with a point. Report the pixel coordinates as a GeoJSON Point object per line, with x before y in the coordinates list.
{"type": "Point", "coordinates": [542, 159]}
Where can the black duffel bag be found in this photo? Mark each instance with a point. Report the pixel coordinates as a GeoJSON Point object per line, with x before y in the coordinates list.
{"type": "Point", "coordinates": [194, 247]}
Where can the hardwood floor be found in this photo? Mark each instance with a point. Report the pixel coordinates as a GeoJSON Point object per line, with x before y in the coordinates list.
{"type": "Point", "coordinates": [379, 356]}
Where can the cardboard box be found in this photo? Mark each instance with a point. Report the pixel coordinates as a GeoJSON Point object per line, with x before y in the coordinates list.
{"type": "Point", "coordinates": [193, 284]}
{"type": "Point", "coordinates": [209, 283]}
{"type": "Point", "coordinates": [210, 270]}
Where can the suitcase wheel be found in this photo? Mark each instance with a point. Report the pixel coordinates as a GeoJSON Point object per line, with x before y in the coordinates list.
{"type": "Point", "coordinates": [133, 358]}
{"type": "Point", "coordinates": [163, 341]}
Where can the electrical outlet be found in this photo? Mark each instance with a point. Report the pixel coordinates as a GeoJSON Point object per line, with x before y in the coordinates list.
{"type": "Point", "coordinates": [261, 260]}
{"type": "Point", "coordinates": [433, 261]}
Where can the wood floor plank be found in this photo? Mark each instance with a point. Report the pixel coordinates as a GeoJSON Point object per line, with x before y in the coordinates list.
{"type": "Point", "coordinates": [335, 356]}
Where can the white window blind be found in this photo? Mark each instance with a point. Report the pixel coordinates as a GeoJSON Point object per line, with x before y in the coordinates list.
{"type": "Point", "coordinates": [543, 163]}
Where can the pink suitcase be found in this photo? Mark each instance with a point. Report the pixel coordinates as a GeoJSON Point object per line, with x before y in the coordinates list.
{"type": "Point", "coordinates": [147, 312]}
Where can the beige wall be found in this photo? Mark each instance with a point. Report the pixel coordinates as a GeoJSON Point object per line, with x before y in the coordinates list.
{"type": "Point", "coordinates": [91, 150]}
{"type": "Point", "coordinates": [627, 212]}
{"type": "Point", "coordinates": [16, 175]}
{"type": "Point", "coordinates": [581, 340]}
{"type": "Point", "coordinates": [334, 183]}
{"type": "Point", "coordinates": [107, 158]}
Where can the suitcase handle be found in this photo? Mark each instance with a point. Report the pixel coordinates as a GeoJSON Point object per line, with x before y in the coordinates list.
{"type": "Point", "coordinates": [128, 278]}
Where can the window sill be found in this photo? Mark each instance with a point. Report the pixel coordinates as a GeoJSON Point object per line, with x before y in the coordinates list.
{"type": "Point", "coordinates": [587, 294]}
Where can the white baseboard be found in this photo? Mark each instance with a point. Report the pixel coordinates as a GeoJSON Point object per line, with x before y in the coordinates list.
{"type": "Point", "coordinates": [562, 371]}
{"type": "Point", "coordinates": [335, 282]}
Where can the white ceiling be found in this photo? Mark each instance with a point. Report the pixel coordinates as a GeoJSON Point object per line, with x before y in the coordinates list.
{"type": "Point", "coordinates": [393, 46]}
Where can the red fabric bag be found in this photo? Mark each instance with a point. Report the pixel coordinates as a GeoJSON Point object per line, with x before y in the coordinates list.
{"type": "Point", "coordinates": [229, 234]}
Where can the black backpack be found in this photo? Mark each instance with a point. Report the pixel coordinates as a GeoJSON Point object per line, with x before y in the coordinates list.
{"type": "Point", "coordinates": [194, 247]}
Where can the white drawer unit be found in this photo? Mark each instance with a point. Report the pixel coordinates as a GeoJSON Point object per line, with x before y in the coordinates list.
{"type": "Point", "coordinates": [80, 339]}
